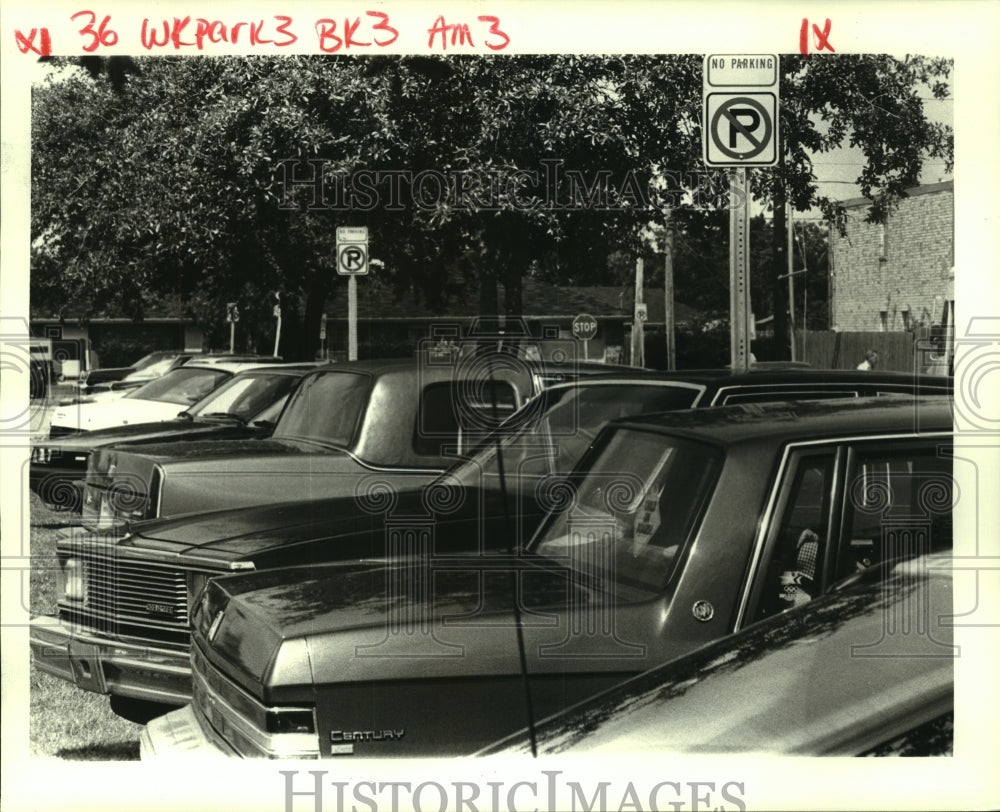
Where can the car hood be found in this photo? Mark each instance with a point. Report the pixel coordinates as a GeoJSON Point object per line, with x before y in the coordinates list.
{"type": "Point", "coordinates": [239, 532]}
{"type": "Point", "coordinates": [114, 412]}
{"type": "Point", "coordinates": [311, 528]}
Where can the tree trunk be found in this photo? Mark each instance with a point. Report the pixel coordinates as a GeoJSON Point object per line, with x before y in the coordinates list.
{"type": "Point", "coordinates": [513, 301]}
{"type": "Point", "coordinates": [488, 300]}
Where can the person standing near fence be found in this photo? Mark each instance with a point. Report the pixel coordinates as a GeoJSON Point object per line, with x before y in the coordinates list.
{"type": "Point", "coordinates": [870, 362]}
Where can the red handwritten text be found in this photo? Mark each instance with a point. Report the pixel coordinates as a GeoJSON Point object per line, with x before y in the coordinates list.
{"type": "Point", "coordinates": [367, 30]}
{"type": "Point", "coordinates": [188, 33]}
{"type": "Point", "coordinates": [821, 36]}
{"type": "Point", "coordinates": [101, 36]}
{"type": "Point", "coordinates": [27, 43]}
{"type": "Point", "coordinates": [459, 34]}
{"type": "Point", "coordinates": [381, 33]}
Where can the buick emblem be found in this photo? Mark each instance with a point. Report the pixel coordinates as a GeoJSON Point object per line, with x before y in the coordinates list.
{"type": "Point", "coordinates": [703, 611]}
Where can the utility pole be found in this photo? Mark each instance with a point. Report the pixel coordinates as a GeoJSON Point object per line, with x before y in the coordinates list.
{"type": "Point", "coordinates": [791, 279]}
{"type": "Point", "coordinates": [277, 316]}
{"type": "Point", "coordinates": [638, 317]}
{"type": "Point", "coordinates": [668, 290]}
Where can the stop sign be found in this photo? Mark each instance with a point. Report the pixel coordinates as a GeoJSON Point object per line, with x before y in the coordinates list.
{"type": "Point", "coordinates": [584, 327]}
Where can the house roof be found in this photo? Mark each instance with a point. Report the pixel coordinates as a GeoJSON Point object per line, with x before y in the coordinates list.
{"type": "Point", "coordinates": [540, 300]}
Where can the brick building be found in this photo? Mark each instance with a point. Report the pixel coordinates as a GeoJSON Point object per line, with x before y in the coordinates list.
{"type": "Point", "coordinates": [898, 276]}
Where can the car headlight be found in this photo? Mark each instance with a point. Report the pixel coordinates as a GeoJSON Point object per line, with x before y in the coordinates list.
{"type": "Point", "coordinates": [75, 574]}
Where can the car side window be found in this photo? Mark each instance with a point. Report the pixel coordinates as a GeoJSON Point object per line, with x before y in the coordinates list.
{"type": "Point", "coordinates": [794, 574]}
{"type": "Point", "coordinates": [457, 416]}
{"type": "Point", "coordinates": [897, 504]}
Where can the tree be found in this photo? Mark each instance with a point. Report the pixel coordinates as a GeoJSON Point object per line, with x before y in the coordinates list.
{"type": "Point", "coordinates": [221, 179]}
{"type": "Point", "coordinates": [873, 102]}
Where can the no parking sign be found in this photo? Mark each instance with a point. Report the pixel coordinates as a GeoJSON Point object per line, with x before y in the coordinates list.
{"type": "Point", "coordinates": [740, 124]}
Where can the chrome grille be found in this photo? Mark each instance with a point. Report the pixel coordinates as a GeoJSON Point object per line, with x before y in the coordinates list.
{"type": "Point", "coordinates": [125, 595]}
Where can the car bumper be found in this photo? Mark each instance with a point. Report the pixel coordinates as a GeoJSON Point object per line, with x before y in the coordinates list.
{"type": "Point", "coordinates": [61, 485]}
{"type": "Point", "coordinates": [178, 734]}
{"type": "Point", "coordinates": [109, 667]}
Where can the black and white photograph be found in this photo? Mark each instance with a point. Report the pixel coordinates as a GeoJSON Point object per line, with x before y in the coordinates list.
{"type": "Point", "coordinates": [500, 406]}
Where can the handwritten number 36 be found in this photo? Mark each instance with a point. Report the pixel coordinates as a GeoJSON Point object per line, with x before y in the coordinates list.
{"type": "Point", "coordinates": [102, 36]}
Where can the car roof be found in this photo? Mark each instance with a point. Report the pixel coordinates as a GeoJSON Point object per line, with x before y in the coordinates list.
{"type": "Point", "coordinates": [836, 683]}
{"type": "Point", "coordinates": [757, 377]}
{"type": "Point", "coordinates": [433, 372]}
{"type": "Point", "coordinates": [279, 369]}
{"type": "Point", "coordinates": [785, 421]}
{"type": "Point", "coordinates": [241, 366]}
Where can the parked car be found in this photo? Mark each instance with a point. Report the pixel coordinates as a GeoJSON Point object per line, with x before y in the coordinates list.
{"type": "Point", "coordinates": [744, 483]}
{"type": "Point", "coordinates": [304, 459]}
{"type": "Point", "coordinates": [245, 405]}
{"type": "Point", "coordinates": [146, 368]}
{"type": "Point", "coordinates": [159, 399]}
{"type": "Point", "coordinates": [867, 669]}
{"type": "Point", "coordinates": [103, 382]}
{"type": "Point", "coordinates": [401, 419]}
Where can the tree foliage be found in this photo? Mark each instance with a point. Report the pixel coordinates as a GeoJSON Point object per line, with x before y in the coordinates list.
{"type": "Point", "coordinates": [168, 177]}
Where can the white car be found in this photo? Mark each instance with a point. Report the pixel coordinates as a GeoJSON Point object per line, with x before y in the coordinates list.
{"type": "Point", "coordinates": [160, 399]}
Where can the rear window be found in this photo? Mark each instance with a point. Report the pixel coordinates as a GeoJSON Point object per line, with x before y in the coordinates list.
{"type": "Point", "coordinates": [627, 518]}
{"type": "Point", "coordinates": [327, 408]}
{"type": "Point", "coordinates": [182, 386]}
{"type": "Point", "coordinates": [457, 415]}
{"type": "Point", "coordinates": [245, 395]}
{"type": "Point", "coordinates": [551, 433]}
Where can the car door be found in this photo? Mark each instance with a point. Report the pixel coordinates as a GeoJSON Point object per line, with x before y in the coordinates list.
{"type": "Point", "coordinates": [841, 508]}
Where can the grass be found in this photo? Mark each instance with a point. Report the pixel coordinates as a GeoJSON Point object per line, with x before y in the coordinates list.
{"type": "Point", "coordinates": [65, 721]}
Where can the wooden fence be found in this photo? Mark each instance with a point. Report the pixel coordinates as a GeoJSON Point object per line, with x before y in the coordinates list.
{"type": "Point", "coordinates": [898, 352]}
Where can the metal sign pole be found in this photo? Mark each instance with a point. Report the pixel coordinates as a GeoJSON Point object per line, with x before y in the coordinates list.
{"type": "Point", "coordinates": [232, 337]}
{"type": "Point", "coordinates": [352, 318]}
{"type": "Point", "coordinates": [739, 272]}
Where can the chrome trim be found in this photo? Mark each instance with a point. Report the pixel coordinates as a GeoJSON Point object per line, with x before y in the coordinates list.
{"type": "Point", "coordinates": [763, 529]}
{"type": "Point", "coordinates": [158, 477]}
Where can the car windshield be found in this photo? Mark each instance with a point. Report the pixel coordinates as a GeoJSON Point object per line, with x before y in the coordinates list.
{"type": "Point", "coordinates": [182, 386]}
{"type": "Point", "coordinates": [153, 370]}
{"type": "Point", "coordinates": [550, 434]}
{"type": "Point", "coordinates": [326, 408]}
{"type": "Point", "coordinates": [626, 518]}
{"type": "Point", "coordinates": [154, 357]}
{"type": "Point", "coordinates": [244, 396]}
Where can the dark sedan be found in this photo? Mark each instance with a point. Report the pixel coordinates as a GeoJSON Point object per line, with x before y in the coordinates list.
{"type": "Point", "coordinates": [675, 530]}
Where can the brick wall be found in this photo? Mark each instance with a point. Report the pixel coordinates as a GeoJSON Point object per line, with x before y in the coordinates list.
{"type": "Point", "coordinates": [902, 267]}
